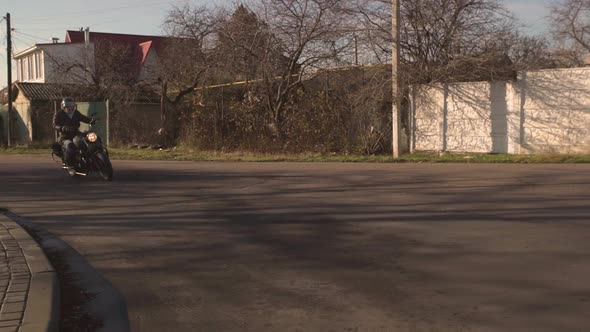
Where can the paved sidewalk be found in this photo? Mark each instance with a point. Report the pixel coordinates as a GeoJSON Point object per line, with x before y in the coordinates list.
{"type": "Point", "coordinates": [15, 278]}
{"type": "Point", "coordinates": [28, 285]}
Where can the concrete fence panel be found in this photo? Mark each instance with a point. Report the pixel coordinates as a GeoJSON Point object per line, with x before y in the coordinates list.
{"type": "Point", "coordinates": [545, 111]}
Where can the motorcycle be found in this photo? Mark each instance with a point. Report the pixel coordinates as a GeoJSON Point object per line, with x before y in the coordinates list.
{"type": "Point", "coordinates": [90, 156]}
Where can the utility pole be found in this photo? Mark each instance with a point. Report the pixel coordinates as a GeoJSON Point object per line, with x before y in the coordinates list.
{"type": "Point", "coordinates": [396, 101]}
{"type": "Point", "coordinates": [9, 72]}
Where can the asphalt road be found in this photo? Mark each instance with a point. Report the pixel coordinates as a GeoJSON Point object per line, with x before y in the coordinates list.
{"type": "Point", "coordinates": [325, 247]}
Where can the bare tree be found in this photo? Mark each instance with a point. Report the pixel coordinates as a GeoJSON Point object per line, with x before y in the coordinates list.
{"type": "Point", "coordinates": [241, 45]}
{"type": "Point", "coordinates": [185, 60]}
{"type": "Point", "coordinates": [301, 36]}
{"type": "Point", "coordinates": [529, 52]}
{"type": "Point", "coordinates": [571, 30]}
{"type": "Point", "coordinates": [442, 39]}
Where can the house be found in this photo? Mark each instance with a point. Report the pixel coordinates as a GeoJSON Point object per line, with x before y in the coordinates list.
{"type": "Point", "coordinates": [35, 104]}
{"type": "Point", "coordinates": [78, 59]}
{"type": "Point", "coordinates": [48, 72]}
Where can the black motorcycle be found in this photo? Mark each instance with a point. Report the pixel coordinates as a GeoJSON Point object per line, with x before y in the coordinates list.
{"type": "Point", "coordinates": [90, 157]}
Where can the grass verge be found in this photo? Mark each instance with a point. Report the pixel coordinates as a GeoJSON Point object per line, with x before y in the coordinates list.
{"type": "Point", "coordinates": [184, 154]}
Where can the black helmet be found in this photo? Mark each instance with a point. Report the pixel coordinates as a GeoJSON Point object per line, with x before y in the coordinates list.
{"type": "Point", "coordinates": [68, 102]}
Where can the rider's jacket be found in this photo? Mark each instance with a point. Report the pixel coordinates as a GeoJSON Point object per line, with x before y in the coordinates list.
{"type": "Point", "coordinates": [61, 120]}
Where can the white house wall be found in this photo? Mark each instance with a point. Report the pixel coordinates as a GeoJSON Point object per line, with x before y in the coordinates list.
{"type": "Point", "coordinates": [59, 57]}
{"type": "Point", "coordinates": [544, 111]}
{"type": "Point", "coordinates": [22, 134]}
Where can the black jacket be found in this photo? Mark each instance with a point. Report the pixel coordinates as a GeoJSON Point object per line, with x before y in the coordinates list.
{"type": "Point", "coordinates": [61, 123]}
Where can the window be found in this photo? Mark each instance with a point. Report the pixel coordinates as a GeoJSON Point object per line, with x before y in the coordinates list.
{"type": "Point", "coordinates": [38, 66]}
{"type": "Point", "coordinates": [18, 71]}
{"type": "Point", "coordinates": [30, 67]}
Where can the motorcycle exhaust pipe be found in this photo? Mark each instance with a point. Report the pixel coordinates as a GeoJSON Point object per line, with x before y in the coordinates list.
{"type": "Point", "coordinates": [77, 173]}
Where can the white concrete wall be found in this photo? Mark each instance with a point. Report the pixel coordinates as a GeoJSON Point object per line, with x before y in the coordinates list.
{"type": "Point", "coordinates": [429, 102]}
{"type": "Point", "coordinates": [544, 111]}
{"type": "Point", "coordinates": [556, 106]}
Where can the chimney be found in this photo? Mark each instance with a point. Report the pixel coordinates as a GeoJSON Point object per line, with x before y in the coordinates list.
{"type": "Point", "coordinates": [54, 40]}
{"type": "Point", "coordinates": [87, 36]}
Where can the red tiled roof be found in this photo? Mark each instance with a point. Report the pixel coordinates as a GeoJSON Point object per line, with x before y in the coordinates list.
{"type": "Point", "coordinates": [145, 50]}
{"type": "Point", "coordinates": [141, 44]}
{"type": "Point", "coordinates": [78, 37]}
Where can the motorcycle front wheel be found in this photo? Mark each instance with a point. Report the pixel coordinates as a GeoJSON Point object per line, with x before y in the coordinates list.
{"type": "Point", "coordinates": [104, 166]}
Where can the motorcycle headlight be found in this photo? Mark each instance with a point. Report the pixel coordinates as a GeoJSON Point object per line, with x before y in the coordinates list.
{"type": "Point", "coordinates": [92, 137]}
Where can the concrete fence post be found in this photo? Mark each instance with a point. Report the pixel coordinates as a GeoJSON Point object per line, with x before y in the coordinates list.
{"type": "Point", "coordinates": [445, 122]}
{"type": "Point", "coordinates": [523, 95]}
{"type": "Point", "coordinates": [412, 120]}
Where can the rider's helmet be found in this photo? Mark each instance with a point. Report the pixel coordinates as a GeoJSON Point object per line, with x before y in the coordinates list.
{"type": "Point", "coordinates": [68, 104]}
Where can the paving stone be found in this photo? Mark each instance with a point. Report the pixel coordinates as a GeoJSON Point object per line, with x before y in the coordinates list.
{"type": "Point", "coordinates": [16, 262]}
{"type": "Point", "coordinates": [15, 299]}
{"type": "Point", "coordinates": [11, 316]}
{"type": "Point", "coordinates": [20, 270]}
{"type": "Point", "coordinates": [9, 323]}
{"type": "Point", "coordinates": [20, 281]}
{"type": "Point", "coordinates": [18, 288]}
{"type": "Point", "coordinates": [15, 277]}
{"type": "Point", "coordinates": [15, 265]}
{"type": "Point", "coordinates": [9, 329]}
{"type": "Point", "coordinates": [20, 276]}
{"type": "Point", "coordinates": [13, 307]}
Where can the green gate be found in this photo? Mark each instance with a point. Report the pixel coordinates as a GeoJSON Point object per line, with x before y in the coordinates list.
{"type": "Point", "coordinates": [98, 111]}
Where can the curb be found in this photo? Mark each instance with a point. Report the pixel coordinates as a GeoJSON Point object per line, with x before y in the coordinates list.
{"type": "Point", "coordinates": [107, 304]}
{"type": "Point", "coordinates": [41, 312]}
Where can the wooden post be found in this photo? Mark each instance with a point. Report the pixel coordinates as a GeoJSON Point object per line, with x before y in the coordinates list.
{"type": "Point", "coordinates": [54, 112]}
{"type": "Point", "coordinates": [108, 125]}
{"type": "Point", "coordinates": [9, 72]}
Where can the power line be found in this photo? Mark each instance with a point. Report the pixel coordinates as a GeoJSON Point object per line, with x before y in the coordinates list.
{"type": "Point", "coordinates": [28, 35]}
{"type": "Point", "coordinates": [97, 11]}
{"type": "Point", "coordinates": [20, 41]}
{"type": "Point", "coordinates": [24, 39]}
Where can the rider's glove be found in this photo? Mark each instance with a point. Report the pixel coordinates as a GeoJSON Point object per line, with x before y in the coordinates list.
{"type": "Point", "coordinates": [68, 129]}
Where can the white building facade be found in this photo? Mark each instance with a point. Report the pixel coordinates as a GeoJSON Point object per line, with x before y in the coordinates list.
{"type": "Point", "coordinates": [55, 63]}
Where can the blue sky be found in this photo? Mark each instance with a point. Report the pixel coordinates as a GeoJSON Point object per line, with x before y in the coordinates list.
{"type": "Point", "coordinates": [39, 20]}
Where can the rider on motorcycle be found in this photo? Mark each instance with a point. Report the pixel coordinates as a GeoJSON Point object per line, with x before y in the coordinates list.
{"type": "Point", "coordinates": [67, 122]}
